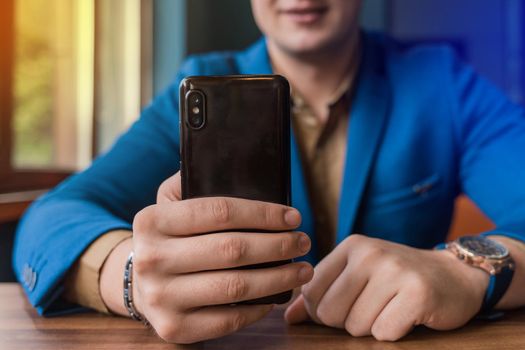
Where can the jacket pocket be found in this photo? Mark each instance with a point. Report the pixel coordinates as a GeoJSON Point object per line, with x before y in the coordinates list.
{"type": "Point", "coordinates": [421, 190]}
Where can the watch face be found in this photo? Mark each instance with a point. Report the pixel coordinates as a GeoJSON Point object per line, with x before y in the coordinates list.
{"type": "Point", "coordinates": [482, 246]}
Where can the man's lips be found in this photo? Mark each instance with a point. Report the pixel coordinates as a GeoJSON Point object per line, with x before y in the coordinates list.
{"type": "Point", "coordinates": [305, 15]}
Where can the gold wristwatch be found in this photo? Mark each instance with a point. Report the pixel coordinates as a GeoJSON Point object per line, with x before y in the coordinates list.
{"type": "Point", "coordinates": [490, 256]}
{"type": "Point", "coordinates": [482, 252]}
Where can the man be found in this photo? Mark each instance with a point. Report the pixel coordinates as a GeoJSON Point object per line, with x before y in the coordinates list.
{"type": "Point", "coordinates": [387, 138]}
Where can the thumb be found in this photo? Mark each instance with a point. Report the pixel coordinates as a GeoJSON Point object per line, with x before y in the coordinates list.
{"type": "Point", "coordinates": [170, 190]}
{"type": "Point", "coordinates": [296, 311]}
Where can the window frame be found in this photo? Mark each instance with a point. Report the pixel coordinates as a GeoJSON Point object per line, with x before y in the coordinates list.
{"type": "Point", "coordinates": [30, 181]}
{"type": "Point", "coordinates": [12, 180]}
{"type": "Point", "coordinates": [6, 71]}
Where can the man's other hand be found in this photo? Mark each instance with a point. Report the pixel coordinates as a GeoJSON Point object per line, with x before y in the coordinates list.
{"type": "Point", "coordinates": [374, 287]}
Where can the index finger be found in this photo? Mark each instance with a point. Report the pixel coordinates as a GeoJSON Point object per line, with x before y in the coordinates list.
{"type": "Point", "coordinates": [212, 214]}
{"type": "Point", "coordinates": [170, 189]}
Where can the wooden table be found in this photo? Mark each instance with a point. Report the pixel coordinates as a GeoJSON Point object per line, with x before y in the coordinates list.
{"type": "Point", "coordinates": [22, 328]}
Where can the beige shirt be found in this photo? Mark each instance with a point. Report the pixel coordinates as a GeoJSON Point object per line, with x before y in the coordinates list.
{"type": "Point", "coordinates": [323, 151]}
{"type": "Point", "coordinates": [323, 148]}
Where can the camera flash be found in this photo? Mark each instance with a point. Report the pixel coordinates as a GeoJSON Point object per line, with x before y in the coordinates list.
{"type": "Point", "coordinates": [195, 110]}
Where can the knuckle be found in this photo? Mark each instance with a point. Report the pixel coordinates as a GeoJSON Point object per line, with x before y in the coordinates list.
{"type": "Point", "coordinates": [169, 332]}
{"type": "Point", "coordinates": [326, 315]}
{"type": "Point", "coordinates": [236, 287]}
{"type": "Point", "coordinates": [233, 250]}
{"type": "Point", "coordinates": [268, 214]}
{"type": "Point", "coordinates": [373, 254]}
{"type": "Point", "coordinates": [418, 283]}
{"type": "Point", "coordinates": [355, 237]}
{"type": "Point", "coordinates": [163, 188]}
{"type": "Point", "coordinates": [383, 334]}
{"type": "Point", "coordinates": [286, 246]}
{"type": "Point", "coordinates": [350, 326]}
{"type": "Point", "coordinates": [143, 221]}
{"type": "Point", "coordinates": [354, 328]}
{"type": "Point", "coordinates": [230, 324]}
{"type": "Point", "coordinates": [221, 210]}
{"type": "Point", "coordinates": [190, 209]}
{"type": "Point", "coordinates": [386, 329]}
{"type": "Point", "coordinates": [308, 293]}
{"type": "Point", "coordinates": [145, 260]}
{"type": "Point", "coordinates": [377, 331]}
{"type": "Point", "coordinates": [421, 289]}
{"type": "Point", "coordinates": [153, 297]}
{"type": "Point", "coordinates": [237, 321]}
{"type": "Point", "coordinates": [394, 265]}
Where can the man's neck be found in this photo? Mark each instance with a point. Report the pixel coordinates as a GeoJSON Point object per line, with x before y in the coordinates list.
{"type": "Point", "coordinates": [317, 77]}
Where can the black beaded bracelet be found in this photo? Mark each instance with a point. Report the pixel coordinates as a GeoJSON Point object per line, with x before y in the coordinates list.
{"type": "Point", "coordinates": [128, 291]}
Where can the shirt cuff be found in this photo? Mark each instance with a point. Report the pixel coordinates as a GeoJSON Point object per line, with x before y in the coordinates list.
{"type": "Point", "coordinates": [82, 282]}
{"type": "Point", "coordinates": [506, 233]}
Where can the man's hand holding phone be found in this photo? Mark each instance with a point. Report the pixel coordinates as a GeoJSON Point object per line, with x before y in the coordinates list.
{"type": "Point", "coordinates": [185, 276]}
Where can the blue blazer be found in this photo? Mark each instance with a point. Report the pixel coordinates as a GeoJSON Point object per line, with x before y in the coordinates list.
{"type": "Point", "coordinates": [423, 128]}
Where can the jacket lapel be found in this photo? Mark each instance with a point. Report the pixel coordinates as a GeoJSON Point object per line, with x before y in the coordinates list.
{"type": "Point", "coordinates": [368, 116]}
{"type": "Point", "coordinates": [367, 120]}
{"type": "Point", "coordinates": [255, 60]}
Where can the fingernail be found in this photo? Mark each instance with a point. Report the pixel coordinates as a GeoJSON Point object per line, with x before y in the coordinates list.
{"type": "Point", "coordinates": [304, 273]}
{"type": "Point", "coordinates": [304, 243]}
{"type": "Point", "coordinates": [292, 217]}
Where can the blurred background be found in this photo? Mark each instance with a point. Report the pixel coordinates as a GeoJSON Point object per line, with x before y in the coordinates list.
{"type": "Point", "coordinates": [76, 73]}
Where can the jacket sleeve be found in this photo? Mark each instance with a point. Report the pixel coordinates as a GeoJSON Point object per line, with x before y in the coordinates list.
{"type": "Point", "coordinates": [490, 135]}
{"type": "Point", "coordinates": [58, 227]}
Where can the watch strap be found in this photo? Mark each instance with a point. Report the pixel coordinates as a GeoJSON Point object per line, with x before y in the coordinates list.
{"type": "Point", "coordinates": [498, 284]}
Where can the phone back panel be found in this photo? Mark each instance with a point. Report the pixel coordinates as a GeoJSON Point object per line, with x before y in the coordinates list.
{"type": "Point", "coordinates": [243, 148]}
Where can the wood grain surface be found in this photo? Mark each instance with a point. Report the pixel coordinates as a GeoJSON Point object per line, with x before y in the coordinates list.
{"type": "Point", "coordinates": [22, 328]}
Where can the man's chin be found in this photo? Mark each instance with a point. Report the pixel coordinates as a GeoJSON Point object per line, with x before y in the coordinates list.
{"type": "Point", "coordinates": [307, 48]}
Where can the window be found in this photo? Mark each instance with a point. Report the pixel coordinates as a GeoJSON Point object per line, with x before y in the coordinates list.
{"type": "Point", "coordinates": [74, 74]}
{"type": "Point", "coordinates": [53, 84]}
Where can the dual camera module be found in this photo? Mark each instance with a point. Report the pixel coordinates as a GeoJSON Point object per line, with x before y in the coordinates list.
{"type": "Point", "coordinates": [195, 109]}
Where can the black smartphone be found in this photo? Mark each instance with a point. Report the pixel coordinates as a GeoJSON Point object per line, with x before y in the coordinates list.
{"type": "Point", "coordinates": [235, 142]}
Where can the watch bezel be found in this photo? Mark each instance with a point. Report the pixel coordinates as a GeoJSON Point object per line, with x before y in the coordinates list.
{"type": "Point", "coordinates": [461, 242]}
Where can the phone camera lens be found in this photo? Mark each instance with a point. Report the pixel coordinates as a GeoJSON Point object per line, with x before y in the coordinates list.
{"type": "Point", "coordinates": [196, 120]}
{"type": "Point", "coordinates": [196, 109]}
